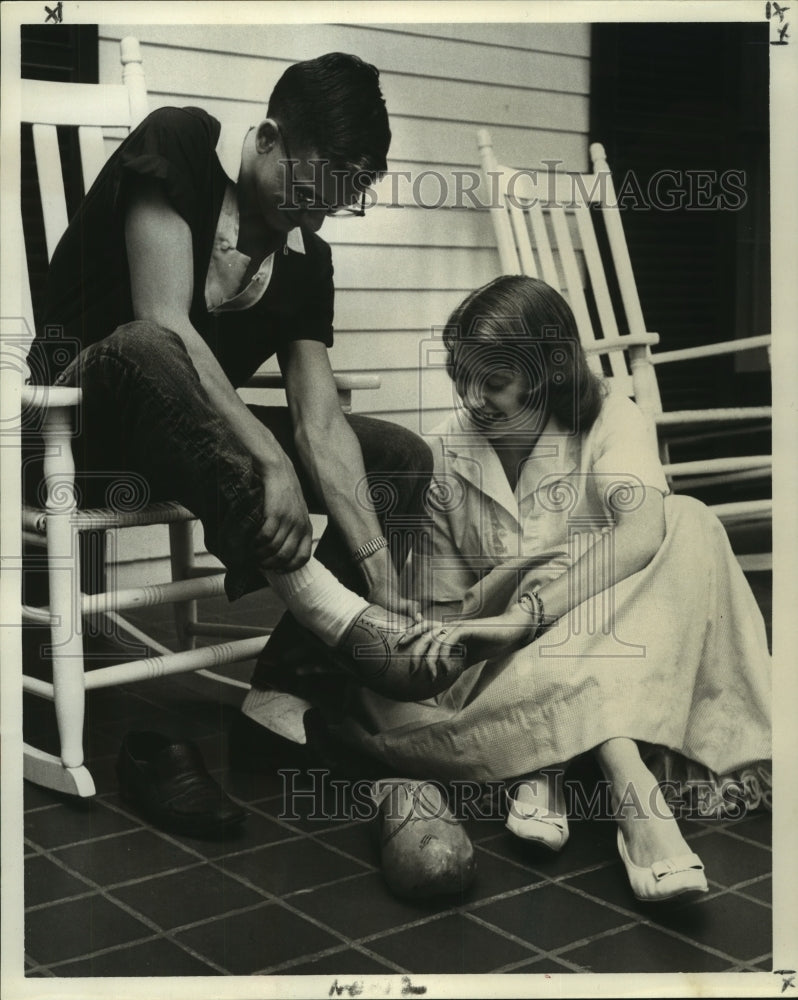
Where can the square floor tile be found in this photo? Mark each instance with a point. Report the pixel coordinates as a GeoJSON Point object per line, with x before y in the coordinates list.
{"type": "Point", "coordinates": [70, 822]}
{"type": "Point", "coordinates": [39, 727]}
{"type": "Point", "coordinates": [733, 925]}
{"type": "Point", "coordinates": [126, 857]}
{"type": "Point", "coordinates": [363, 906]}
{"type": "Point", "coordinates": [347, 962]}
{"type": "Point", "coordinates": [103, 772]}
{"type": "Point", "coordinates": [186, 897]}
{"type": "Point", "coordinates": [728, 860]}
{"type": "Point", "coordinates": [545, 966]}
{"type": "Point", "coordinates": [495, 876]}
{"type": "Point", "coordinates": [45, 882]}
{"type": "Point", "coordinates": [256, 831]}
{"type": "Point", "coordinates": [98, 744]}
{"type": "Point", "coordinates": [452, 944]}
{"type": "Point", "coordinates": [644, 949]}
{"type": "Point", "coordinates": [550, 917]}
{"type": "Point", "coordinates": [591, 842]}
{"type": "Point", "coordinates": [257, 940]}
{"type": "Point", "coordinates": [78, 927]}
{"type": "Point", "coordinates": [762, 890]}
{"type": "Point", "coordinates": [756, 826]}
{"type": "Point", "coordinates": [34, 797]}
{"type": "Point", "coordinates": [253, 786]}
{"type": "Point", "coordinates": [288, 867]}
{"type": "Point", "coordinates": [481, 821]}
{"type": "Point", "coordinates": [153, 958]}
{"type": "Point", "coordinates": [312, 803]}
{"type": "Point", "coordinates": [356, 839]}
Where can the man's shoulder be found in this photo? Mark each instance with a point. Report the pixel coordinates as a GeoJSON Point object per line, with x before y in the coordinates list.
{"type": "Point", "coordinates": [184, 122]}
{"type": "Point", "coordinates": [315, 262]}
{"type": "Point", "coordinates": [315, 245]}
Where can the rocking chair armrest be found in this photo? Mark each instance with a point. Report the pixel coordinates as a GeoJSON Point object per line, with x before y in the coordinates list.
{"type": "Point", "coordinates": [344, 383]}
{"type": "Point", "coordinates": [710, 350]}
{"type": "Point", "coordinates": [622, 343]}
{"type": "Point", "coordinates": [49, 397]}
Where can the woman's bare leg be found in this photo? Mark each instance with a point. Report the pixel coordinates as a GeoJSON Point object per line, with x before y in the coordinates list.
{"type": "Point", "coordinates": [649, 828]}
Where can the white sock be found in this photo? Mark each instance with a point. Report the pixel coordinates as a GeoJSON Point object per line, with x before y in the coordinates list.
{"type": "Point", "coordinates": [318, 600]}
{"type": "Point", "coordinates": [279, 712]}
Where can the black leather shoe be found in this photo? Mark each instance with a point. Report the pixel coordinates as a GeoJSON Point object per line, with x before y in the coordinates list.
{"type": "Point", "coordinates": [170, 785]}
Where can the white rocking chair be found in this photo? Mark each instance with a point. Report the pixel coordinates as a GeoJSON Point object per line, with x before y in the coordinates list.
{"type": "Point", "coordinates": [543, 227]}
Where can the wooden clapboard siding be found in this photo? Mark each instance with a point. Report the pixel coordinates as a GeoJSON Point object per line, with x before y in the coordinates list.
{"type": "Point", "coordinates": [558, 38]}
{"type": "Point", "coordinates": [400, 271]}
{"type": "Point", "coordinates": [432, 52]}
{"type": "Point", "coordinates": [528, 83]}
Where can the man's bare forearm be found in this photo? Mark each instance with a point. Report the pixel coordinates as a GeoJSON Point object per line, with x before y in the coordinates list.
{"type": "Point", "coordinates": [333, 460]}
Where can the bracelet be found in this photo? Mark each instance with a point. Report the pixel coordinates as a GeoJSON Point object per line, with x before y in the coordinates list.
{"type": "Point", "coordinates": [525, 600]}
{"type": "Point", "coordinates": [369, 548]}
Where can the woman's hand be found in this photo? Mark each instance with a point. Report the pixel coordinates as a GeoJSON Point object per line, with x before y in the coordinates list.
{"type": "Point", "coordinates": [447, 648]}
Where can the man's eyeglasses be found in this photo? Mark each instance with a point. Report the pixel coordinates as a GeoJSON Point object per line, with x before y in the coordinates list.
{"type": "Point", "coordinates": [305, 199]}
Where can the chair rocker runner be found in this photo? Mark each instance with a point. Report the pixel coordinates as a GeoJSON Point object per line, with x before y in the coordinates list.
{"type": "Point", "coordinates": [544, 228]}
{"type": "Point", "coordinates": [55, 527]}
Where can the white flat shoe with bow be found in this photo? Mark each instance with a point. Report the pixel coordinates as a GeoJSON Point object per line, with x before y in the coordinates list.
{"type": "Point", "coordinates": [529, 821]}
{"type": "Point", "coordinates": [677, 876]}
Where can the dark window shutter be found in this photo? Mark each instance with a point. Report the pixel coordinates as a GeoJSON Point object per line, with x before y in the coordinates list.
{"type": "Point", "coordinates": [692, 97]}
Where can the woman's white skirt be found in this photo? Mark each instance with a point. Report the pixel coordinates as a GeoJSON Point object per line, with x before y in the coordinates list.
{"type": "Point", "coordinates": [675, 656]}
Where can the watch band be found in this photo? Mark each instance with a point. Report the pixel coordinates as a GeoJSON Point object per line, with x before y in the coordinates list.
{"type": "Point", "coordinates": [369, 548]}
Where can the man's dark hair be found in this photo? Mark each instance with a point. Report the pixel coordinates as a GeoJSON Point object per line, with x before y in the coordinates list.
{"type": "Point", "coordinates": [334, 106]}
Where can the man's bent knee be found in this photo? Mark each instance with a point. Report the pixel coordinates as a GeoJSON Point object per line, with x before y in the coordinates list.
{"type": "Point", "coordinates": [144, 340]}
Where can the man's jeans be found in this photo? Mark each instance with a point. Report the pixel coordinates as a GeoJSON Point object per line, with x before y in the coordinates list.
{"type": "Point", "coordinates": [145, 413]}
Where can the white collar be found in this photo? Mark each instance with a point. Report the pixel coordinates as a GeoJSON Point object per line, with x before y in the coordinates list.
{"type": "Point", "coordinates": [295, 240]}
{"type": "Point", "coordinates": [228, 149]}
{"type": "Point", "coordinates": [472, 456]}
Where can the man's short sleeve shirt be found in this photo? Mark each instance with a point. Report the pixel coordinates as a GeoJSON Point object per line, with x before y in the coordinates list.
{"type": "Point", "coordinates": [88, 288]}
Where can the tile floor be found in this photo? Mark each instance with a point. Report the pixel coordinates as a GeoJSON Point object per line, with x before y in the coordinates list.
{"type": "Point", "coordinates": [106, 894]}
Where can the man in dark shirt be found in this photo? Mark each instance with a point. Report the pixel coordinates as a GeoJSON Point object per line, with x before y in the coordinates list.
{"type": "Point", "coordinates": [177, 278]}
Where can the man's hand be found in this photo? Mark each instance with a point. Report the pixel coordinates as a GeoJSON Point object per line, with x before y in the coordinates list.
{"type": "Point", "coordinates": [284, 541]}
{"type": "Point", "coordinates": [384, 590]}
{"type": "Point", "coordinates": [383, 585]}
